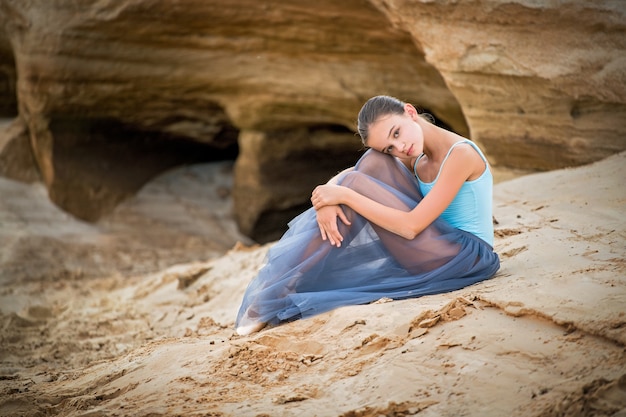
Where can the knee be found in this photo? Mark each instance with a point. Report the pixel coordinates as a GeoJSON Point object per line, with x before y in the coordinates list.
{"type": "Point", "coordinates": [372, 161]}
{"type": "Point", "coordinates": [356, 180]}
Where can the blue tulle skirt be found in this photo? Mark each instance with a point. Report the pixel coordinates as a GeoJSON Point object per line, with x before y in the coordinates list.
{"type": "Point", "coordinates": [304, 275]}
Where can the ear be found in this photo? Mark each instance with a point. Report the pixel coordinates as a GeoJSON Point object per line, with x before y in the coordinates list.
{"type": "Point", "coordinates": [411, 111]}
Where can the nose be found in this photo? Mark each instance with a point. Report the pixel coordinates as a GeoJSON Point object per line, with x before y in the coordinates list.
{"type": "Point", "coordinates": [401, 147]}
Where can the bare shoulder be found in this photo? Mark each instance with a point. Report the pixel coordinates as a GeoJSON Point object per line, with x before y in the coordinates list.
{"type": "Point", "coordinates": [466, 150]}
{"type": "Point", "coordinates": [465, 154]}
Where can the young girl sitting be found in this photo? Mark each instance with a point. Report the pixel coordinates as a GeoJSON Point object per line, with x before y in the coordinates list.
{"type": "Point", "coordinates": [412, 217]}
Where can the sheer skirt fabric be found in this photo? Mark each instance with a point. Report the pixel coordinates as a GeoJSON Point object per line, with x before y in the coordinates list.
{"type": "Point", "coordinates": [304, 275]}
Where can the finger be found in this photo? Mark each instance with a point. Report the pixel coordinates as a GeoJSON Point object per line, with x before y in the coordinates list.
{"type": "Point", "coordinates": [317, 203]}
{"type": "Point", "coordinates": [323, 233]}
{"type": "Point", "coordinates": [336, 236]}
{"type": "Point", "coordinates": [332, 227]}
{"type": "Point", "coordinates": [343, 218]}
{"type": "Point", "coordinates": [338, 240]}
{"type": "Point", "coordinates": [332, 236]}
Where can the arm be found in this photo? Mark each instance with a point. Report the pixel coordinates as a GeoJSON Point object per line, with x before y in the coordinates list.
{"type": "Point", "coordinates": [327, 216]}
{"type": "Point", "coordinates": [460, 166]}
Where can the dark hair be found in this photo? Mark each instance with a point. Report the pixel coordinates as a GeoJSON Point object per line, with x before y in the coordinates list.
{"type": "Point", "coordinates": [373, 109]}
{"type": "Point", "coordinates": [379, 106]}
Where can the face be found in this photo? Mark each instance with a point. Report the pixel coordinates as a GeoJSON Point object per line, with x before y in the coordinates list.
{"type": "Point", "coordinates": [397, 135]}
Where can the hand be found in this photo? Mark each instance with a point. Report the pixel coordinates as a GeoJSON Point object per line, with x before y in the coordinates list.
{"type": "Point", "coordinates": [327, 195]}
{"type": "Point", "coordinates": [327, 222]}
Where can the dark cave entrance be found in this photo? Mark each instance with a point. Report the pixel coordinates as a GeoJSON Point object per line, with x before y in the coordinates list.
{"type": "Point", "coordinates": [100, 162]}
{"type": "Point", "coordinates": [8, 80]}
{"type": "Point", "coordinates": [321, 152]}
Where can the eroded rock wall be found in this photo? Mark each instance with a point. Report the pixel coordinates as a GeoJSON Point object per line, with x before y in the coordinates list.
{"type": "Point", "coordinates": [540, 85]}
{"type": "Point", "coordinates": [195, 69]}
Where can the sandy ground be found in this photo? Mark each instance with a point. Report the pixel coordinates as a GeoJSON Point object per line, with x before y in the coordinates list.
{"type": "Point", "coordinates": [134, 316]}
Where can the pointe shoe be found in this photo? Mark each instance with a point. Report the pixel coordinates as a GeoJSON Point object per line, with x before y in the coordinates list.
{"type": "Point", "coordinates": [249, 328]}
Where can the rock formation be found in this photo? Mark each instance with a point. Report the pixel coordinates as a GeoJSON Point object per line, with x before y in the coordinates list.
{"type": "Point", "coordinates": [542, 85]}
{"type": "Point", "coordinates": [112, 92]}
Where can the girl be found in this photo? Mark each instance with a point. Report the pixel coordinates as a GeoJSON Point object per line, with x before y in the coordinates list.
{"type": "Point", "coordinates": [412, 217]}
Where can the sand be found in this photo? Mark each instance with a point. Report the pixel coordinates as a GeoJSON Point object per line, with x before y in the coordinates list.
{"type": "Point", "coordinates": [133, 316]}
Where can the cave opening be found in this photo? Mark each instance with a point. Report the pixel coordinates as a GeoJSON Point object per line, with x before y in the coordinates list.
{"type": "Point", "coordinates": [309, 156]}
{"type": "Point", "coordinates": [8, 79]}
{"type": "Point", "coordinates": [100, 162]}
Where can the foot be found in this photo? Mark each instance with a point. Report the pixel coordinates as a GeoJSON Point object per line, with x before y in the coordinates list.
{"type": "Point", "coordinates": [249, 328]}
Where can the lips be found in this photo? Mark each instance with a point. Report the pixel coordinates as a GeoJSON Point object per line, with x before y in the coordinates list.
{"type": "Point", "coordinates": [409, 151]}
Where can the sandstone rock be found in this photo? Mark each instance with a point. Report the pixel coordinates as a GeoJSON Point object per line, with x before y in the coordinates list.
{"type": "Point", "coordinates": [197, 71]}
{"type": "Point", "coordinates": [16, 156]}
{"type": "Point", "coordinates": [540, 85]}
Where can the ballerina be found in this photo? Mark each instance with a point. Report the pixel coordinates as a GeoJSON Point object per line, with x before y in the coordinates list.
{"type": "Point", "coordinates": [413, 217]}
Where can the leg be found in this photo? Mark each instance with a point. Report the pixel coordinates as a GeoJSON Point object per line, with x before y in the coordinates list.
{"type": "Point", "coordinates": [393, 186]}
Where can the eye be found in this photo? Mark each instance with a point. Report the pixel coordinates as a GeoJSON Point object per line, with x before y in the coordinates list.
{"type": "Point", "coordinates": [396, 133]}
{"type": "Point", "coordinates": [388, 149]}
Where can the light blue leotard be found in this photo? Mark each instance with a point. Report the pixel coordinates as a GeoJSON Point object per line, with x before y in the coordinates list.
{"type": "Point", "coordinates": [471, 209]}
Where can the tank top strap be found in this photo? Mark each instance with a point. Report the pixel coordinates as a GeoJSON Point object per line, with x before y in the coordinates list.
{"type": "Point", "coordinates": [472, 144]}
{"type": "Point", "coordinates": [415, 164]}
{"type": "Point", "coordinates": [476, 148]}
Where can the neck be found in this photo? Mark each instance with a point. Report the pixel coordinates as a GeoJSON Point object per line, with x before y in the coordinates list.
{"type": "Point", "coordinates": [437, 141]}
{"type": "Point", "coordinates": [431, 138]}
